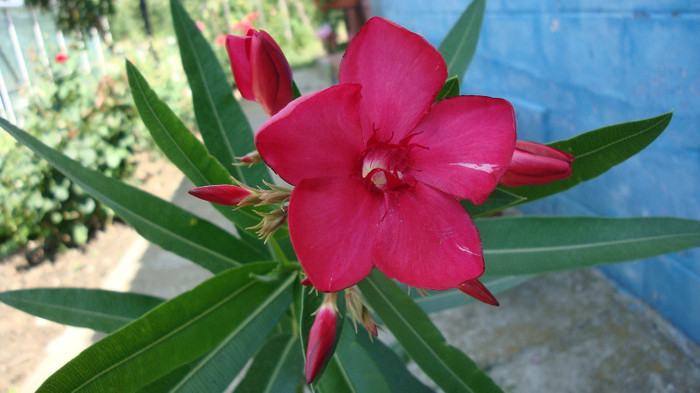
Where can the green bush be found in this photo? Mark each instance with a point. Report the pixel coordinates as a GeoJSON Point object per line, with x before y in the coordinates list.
{"type": "Point", "coordinates": [90, 120]}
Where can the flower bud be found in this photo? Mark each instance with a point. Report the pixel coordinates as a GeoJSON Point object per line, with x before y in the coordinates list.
{"type": "Point", "coordinates": [223, 194]}
{"type": "Point", "coordinates": [534, 164]}
{"type": "Point", "coordinates": [250, 159]}
{"type": "Point", "coordinates": [260, 69]}
{"type": "Point", "coordinates": [321, 337]}
{"type": "Point", "coordinates": [478, 291]}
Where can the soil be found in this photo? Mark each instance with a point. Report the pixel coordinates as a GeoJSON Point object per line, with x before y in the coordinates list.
{"type": "Point", "coordinates": [24, 337]}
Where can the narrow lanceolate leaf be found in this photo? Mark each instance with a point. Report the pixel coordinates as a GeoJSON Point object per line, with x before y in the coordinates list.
{"type": "Point", "coordinates": [221, 121]}
{"type": "Point", "coordinates": [449, 368]}
{"type": "Point", "coordinates": [498, 200]}
{"type": "Point", "coordinates": [97, 309]}
{"type": "Point", "coordinates": [534, 245]}
{"type": "Point", "coordinates": [449, 89]}
{"type": "Point", "coordinates": [186, 151]}
{"type": "Point", "coordinates": [216, 370]}
{"type": "Point", "coordinates": [172, 335]}
{"type": "Point", "coordinates": [597, 151]}
{"type": "Point", "coordinates": [445, 300]}
{"type": "Point", "coordinates": [352, 369]}
{"type": "Point", "coordinates": [277, 368]}
{"type": "Point", "coordinates": [160, 222]}
{"type": "Point", "coordinates": [391, 366]}
{"type": "Point", "coordinates": [460, 44]}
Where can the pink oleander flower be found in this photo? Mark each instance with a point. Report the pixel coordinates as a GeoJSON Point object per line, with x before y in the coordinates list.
{"type": "Point", "coordinates": [534, 164]}
{"type": "Point", "coordinates": [220, 40]}
{"type": "Point", "coordinates": [223, 194]}
{"type": "Point", "coordinates": [61, 57]}
{"type": "Point", "coordinates": [261, 71]}
{"type": "Point", "coordinates": [379, 168]}
{"type": "Point", "coordinates": [321, 337]}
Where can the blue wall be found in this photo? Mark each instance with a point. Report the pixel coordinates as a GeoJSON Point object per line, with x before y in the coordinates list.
{"type": "Point", "coordinates": [572, 68]}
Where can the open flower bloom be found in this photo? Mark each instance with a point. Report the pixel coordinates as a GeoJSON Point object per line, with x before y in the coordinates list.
{"type": "Point", "coordinates": [379, 168]}
{"type": "Point", "coordinates": [534, 164]}
{"type": "Point", "coordinates": [261, 70]}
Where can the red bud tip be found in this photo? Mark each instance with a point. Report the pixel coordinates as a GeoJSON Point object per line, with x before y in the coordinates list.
{"type": "Point", "coordinates": [534, 164]}
{"type": "Point", "coordinates": [306, 282]}
{"type": "Point", "coordinates": [223, 194]}
{"type": "Point", "coordinates": [478, 291]}
{"type": "Point", "coordinates": [321, 339]}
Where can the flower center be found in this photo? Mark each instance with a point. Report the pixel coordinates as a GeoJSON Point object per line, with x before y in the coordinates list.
{"type": "Point", "coordinates": [385, 165]}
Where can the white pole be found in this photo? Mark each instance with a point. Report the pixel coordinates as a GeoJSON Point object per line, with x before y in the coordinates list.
{"type": "Point", "coordinates": [97, 43]}
{"type": "Point", "coordinates": [285, 16]}
{"type": "Point", "coordinates": [6, 103]}
{"type": "Point", "coordinates": [84, 60]}
{"type": "Point", "coordinates": [17, 49]}
{"type": "Point", "coordinates": [39, 40]}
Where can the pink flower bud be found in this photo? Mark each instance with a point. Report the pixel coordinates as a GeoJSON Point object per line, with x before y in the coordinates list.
{"type": "Point", "coordinates": [533, 164]}
{"type": "Point", "coordinates": [321, 338]}
{"type": "Point", "coordinates": [478, 291]}
{"type": "Point", "coordinates": [223, 194]}
{"type": "Point", "coordinates": [260, 69]}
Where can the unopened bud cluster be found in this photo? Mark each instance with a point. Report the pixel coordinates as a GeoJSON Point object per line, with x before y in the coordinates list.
{"type": "Point", "coordinates": [241, 195]}
{"type": "Point", "coordinates": [359, 310]}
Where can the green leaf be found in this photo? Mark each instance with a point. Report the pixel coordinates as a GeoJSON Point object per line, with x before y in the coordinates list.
{"type": "Point", "coordinates": [352, 369]}
{"type": "Point", "coordinates": [97, 309]}
{"type": "Point", "coordinates": [164, 383]}
{"type": "Point", "coordinates": [534, 245]}
{"type": "Point", "coordinates": [459, 45]}
{"type": "Point", "coordinates": [391, 366]}
{"type": "Point", "coordinates": [221, 121]}
{"type": "Point", "coordinates": [448, 367]}
{"type": "Point", "coordinates": [597, 151]}
{"type": "Point", "coordinates": [161, 222]}
{"type": "Point", "coordinates": [216, 370]}
{"type": "Point", "coordinates": [170, 336]}
{"type": "Point", "coordinates": [445, 300]}
{"type": "Point", "coordinates": [449, 89]}
{"type": "Point", "coordinates": [498, 200]}
{"type": "Point", "coordinates": [277, 368]}
{"type": "Point", "coordinates": [186, 151]}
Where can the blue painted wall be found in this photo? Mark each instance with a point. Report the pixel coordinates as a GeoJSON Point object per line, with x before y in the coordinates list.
{"type": "Point", "coordinates": [570, 68]}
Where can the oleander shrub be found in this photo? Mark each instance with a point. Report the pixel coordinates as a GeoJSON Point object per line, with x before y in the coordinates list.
{"type": "Point", "coordinates": [93, 121]}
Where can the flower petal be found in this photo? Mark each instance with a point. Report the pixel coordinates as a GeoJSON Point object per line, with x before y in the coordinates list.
{"type": "Point", "coordinates": [332, 224]}
{"type": "Point", "coordinates": [469, 142]}
{"type": "Point", "coordinates": [314, 136]}
{"type": "Point", "coordinates": [427, 240]}
{"type": "Point", "coordinates": [400, 73]}
{"type": "Point", "coordinates": [238, 48]}
{"type": "Point", "coordinates": [271, 74]}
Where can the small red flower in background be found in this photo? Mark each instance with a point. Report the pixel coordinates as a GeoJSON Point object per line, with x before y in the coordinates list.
{"type": "Point", "coordinates": [535, 164]}
{"type": "Point", "coordinates": [261, 71]}
{"type": "Point", "coordinates": [200, 25]}
{"type": "Point", "coordinates": [379, 168]}
{"type": "Point", "coordinates": [221, 40]}
{"type": "Point", "coordinates": [246, 23]}
{"type": "Point", "coordinates": [61, 57]}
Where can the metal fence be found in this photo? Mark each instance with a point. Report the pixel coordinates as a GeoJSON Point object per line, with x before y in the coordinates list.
{"type": "Point", "coordinates": [31, 47]}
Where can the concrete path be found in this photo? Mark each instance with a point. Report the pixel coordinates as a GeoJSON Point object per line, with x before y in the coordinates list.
{"type": "Point", "coordinates": [568, 332]}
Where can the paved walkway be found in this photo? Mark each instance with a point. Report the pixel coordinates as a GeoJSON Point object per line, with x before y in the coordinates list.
{"type": "Point", "coordinates": [567, 332]}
